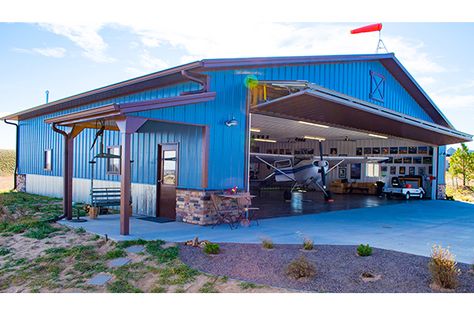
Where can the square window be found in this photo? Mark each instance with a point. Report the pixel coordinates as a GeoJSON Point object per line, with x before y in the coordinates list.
{"type": "Point", "coordinates": [47, 158]}
{"type": "Point", "coordinates": [113, 164]}
{"type": "Point", "coordinates": [372, 170]}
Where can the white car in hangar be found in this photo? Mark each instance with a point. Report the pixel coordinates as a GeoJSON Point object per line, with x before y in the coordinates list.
{"type": "Point", "coordinates": [406, 187]}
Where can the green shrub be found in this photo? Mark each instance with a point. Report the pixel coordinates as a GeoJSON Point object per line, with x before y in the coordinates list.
{"type": "Point", "coordinates": [41, 231]}
{"type": "Point", "coordinates": [116, 253]}
{"type": "Point", "coordinates": [267, 244]}
{"type": "Point", "coordinates": [364, 250]}
{"type": "Point", "coordinates": [128, 243]}
{"type": "Point", "coordinates": [443, 268]}
{"type": "Point", "coordinates": [300, 268]}
{"type": "Point", "coordinates": [308, 244]}
{"type": "Point", "coordinates": [162, 255]}
{"type": "Point", "coordinates": [211, 249]}
{"type": "Point", "coordinates": [4, 251]}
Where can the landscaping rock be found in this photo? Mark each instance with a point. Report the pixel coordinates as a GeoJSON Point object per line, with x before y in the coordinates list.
{"type": "Point", "coordinates": [99, 279]}
{"type": "Point", "coordinates": [135, 249]}
{"type": "Point", "coordinates": [119, 262]}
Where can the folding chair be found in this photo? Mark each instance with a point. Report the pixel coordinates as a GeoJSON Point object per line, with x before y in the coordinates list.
{"type": "Point", "coordinates": [223, 216]}
{"type": "Point", "coordinates": [245, 204]}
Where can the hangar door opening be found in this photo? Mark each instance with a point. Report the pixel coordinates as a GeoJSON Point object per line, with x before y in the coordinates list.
{"type": "Point", "coordinates": [311, 152]}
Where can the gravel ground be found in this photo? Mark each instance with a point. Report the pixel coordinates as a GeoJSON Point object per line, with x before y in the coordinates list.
{"type": "Point", "coordinates": [338, 268]}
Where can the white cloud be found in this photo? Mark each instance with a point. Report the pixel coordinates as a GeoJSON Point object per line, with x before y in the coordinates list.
{"type": "Point", "coordinates": [147, 63]}
{"type": "Point", "coordinates": [56, 52]}
{"type": "Point", "coordinates": [235, 39]}
{"type": "Point", "coordinates": [86, 37]}
{"type": "Point", "coordinates": [454, 101]}
{"type": "Point", "coordinates": [425, 81]}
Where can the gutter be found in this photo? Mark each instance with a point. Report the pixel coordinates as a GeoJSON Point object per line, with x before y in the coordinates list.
{"type": "Point", "coordinates": [17, 147]}
{"type": "Point", "coordinates": [193, 77]}
{"type": "Point", "coordinates": [65, 135]}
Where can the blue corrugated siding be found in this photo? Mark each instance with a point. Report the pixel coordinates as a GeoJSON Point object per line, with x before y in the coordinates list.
{"type": "Point", "coordinates": [36, 136]}
{"type": "Point", "coordinates": [349, 78]}
{"type": "Point", "coordinates": [227, 144]}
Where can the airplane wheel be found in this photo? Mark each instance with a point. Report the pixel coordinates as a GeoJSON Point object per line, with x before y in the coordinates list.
{"type": "Point", "coordinates": [421, 196]}
{"type": "Point", "coordinates": [407, 196]}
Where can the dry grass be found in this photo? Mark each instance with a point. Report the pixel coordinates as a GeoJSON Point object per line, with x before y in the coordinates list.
{"type": "Point", "coordinates": [443, 268]}
{"type": "Point", "coordinates": [300, 268]}
{"type": "Point", "coordinates": [308, 244]}
{"type": "Point", "coordinates": [268, 244]}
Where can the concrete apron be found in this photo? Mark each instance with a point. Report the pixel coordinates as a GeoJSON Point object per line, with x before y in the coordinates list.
{"type": "Point", "coordinates": [411, 227]}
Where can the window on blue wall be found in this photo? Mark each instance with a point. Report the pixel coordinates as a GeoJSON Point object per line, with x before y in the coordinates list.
{"type": "Point", "coordinates": [47, 164]}
{"type": "Point", "coordinates": [113, 164]}
{"type": "Point", "coordinates": [377, 86]}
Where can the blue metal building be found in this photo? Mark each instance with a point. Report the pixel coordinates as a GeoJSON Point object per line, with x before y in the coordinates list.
{"type": "Point", "coordinates": [191, 128]}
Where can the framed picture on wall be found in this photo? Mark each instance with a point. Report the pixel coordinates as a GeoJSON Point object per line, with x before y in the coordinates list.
{"type": "Point", "coordinates": [411, 171]}
{"type": "Point", "coordinates": [430, 170]}
{"type": "Point", "coordinates": [367, 150]}
{"type": "Point", "coordinates": [393, 150]}
{"type": "Point", "coordinates": [407, 160]}
{"type": "Point", "coordinates": [333, 151]}
{"type": "Point", "coordinates": [282, 151]}
{"type": "Point", "coordinates": [397, 160]}
{"type": "Point", "coordinates": [403, 150]}
{"type": "Point", "coordinates": [275, 151]}
{"type": "Point", "coordinates": [412, 150]}
{"type": "Point", "coordinates": [376, 150]}
{"type": "Point", "coordinates": [393, 170]}
{"type": "Point", "coordinates": [417, 160]}
{"type": "Point", "coordinates": [297, 152]}
{"type": "Point", "coordinates": [421, 171]}
{"type": "Point", "coordinates": [401, 170]}
{"type": "Point", "coordinates": [422, 150]}
{"type": "Point", "coordinates": [383, 171]}
{"type": "Point", "coordinates": [427, 160]}
{"type": "Point", "coordinates": [288, 151]}
{"type": "Point", "coordinates": [389, 160]}
{"type": "Point", "coordinates": [359, 151]}
{"type": "Point", "coordinates": [430, 151]}
{"type": "Point", "coordinates": [269, 151]}
{"type": "Point", "coordinates": [342, 172]}
{"type": "Point", "coordinates": [385, 150]}
{"type": "Point", "coordinates": [356, 170]}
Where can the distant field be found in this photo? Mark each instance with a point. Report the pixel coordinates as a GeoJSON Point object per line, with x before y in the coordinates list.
{"type": "Point", "coordinates": [7, 162]}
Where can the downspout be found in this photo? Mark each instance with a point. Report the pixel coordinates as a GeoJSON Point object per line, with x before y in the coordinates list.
{"type": "Point", "coordinates": [17, 146]}
{"type": "Point", "coordinates": [65, 135]}
{"type": "Point", "coordinates": [203, 82]}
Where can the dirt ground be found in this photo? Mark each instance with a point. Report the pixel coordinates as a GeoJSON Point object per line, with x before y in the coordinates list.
{"type": "Point", "coordinates": [6, 183]}
{"type": "Point", "coordinates": [37, 255]}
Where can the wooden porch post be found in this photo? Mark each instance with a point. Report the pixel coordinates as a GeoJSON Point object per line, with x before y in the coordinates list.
{"type": "Point", "coordinates": [68, 163]}
{"type": "Point", "coordinates": [127, 127]}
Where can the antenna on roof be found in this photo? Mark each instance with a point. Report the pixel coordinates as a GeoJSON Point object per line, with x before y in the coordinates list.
{"type": "Point", "coordinates": [372, 28]}
{"type": "Point", "coordinates": [47, 95]}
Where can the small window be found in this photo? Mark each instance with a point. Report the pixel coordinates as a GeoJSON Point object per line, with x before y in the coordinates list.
{"type": "Point", "coordinates": [113, 164]}
{"type": "Point", "coordinates": [377, 86]}
{"type": "Point", "coordinates": [372, 170]}
{"type": "Point", "coordinates": [47, 159]}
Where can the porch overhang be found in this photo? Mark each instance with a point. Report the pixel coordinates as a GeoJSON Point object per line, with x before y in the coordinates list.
{"type": "Point", "coordinates": [320, 105]}
{"type": "Point", "coordinates": [110, 113]}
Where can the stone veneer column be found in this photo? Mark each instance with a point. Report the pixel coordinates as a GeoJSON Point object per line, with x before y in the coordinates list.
{"type": "Point", "coordinates": [196, 207]}
{"type": "Point", "coordinates": [21, 182]}
{"type": "Point", "coordinates": [441, 192]}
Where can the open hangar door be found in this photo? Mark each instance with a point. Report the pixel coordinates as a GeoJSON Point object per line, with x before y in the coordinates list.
{"type": "Point", "coordinates": [294, 127]}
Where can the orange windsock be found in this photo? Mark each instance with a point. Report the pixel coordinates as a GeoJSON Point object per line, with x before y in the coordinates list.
{"type": "Point", "coordinates": [368, 28]}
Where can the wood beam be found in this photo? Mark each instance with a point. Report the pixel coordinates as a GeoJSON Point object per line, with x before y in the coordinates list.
{"type": "Point", "coordinates": [125, 184]}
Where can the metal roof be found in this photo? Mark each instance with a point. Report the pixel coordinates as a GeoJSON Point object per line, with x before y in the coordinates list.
{"type": "Point", "coordinates": [174, 75]}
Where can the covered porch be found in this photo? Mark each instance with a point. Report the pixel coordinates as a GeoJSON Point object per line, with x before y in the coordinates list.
{"type": "Point", "coordinates": [125, 119]}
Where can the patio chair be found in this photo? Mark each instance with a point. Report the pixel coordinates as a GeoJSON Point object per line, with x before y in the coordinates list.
{"type": "Point", "coordinates": [245, 204]}
{"type": "Point", "coordinates": [223, 216]}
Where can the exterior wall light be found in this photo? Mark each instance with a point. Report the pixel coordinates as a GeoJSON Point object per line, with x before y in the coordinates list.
{"type": "Point", "coordinates": [232, 122]}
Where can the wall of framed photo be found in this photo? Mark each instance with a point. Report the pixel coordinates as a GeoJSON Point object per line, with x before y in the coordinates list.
{"type": "Point", "coordinates": [404, 157]}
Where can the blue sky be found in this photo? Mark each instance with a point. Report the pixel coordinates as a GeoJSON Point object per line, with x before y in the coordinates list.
{"type": "Point", "coordinates": [68, 59]}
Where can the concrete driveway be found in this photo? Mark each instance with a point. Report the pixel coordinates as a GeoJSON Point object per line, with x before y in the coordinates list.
{"type": "Point", "coordinates": [411, 226]}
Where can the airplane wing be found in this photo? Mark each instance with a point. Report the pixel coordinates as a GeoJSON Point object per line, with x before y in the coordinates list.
{"type": "Point", "coordinates": [269, 158]}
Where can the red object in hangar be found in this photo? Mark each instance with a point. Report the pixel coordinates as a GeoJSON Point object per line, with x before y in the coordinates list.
{"type": "Point", "coordinates": [368, 28]}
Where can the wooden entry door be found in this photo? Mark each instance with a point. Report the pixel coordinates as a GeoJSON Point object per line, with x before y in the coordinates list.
{"type": "Point", "coordinates": [167, 180]}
